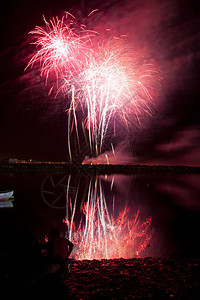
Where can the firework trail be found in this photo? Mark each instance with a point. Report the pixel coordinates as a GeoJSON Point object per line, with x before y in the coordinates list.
{"type": "Point", "coordinates": [113, 86]}
{"type": "Point", "coordinates": [99, 234]}
{"type": "Point", "coordinates": [103, 79]}
{"type": "Point", "coordinates": [62, 48]}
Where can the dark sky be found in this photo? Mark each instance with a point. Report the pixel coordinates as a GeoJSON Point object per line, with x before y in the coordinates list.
{"type": "Point", "coordinates": [32, 125]}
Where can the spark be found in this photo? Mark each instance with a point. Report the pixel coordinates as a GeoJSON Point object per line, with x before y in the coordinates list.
{"type": "Point", "coordinates": [113, 150]}
{"type": "Point", "coordinates": [113, 179]}
{"type": "Point", "coordinates": [107, 159]}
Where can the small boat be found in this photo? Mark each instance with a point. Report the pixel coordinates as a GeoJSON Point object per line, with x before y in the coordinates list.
{"type": "Point", "coordinates": [6, 199]}
{"type": "Point", "coordinates": [6, 195]}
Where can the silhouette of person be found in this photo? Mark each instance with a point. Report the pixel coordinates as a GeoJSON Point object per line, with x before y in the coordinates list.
{"type": "Point", "coordinates": [27, 255]}
{"type": "Point", "coordinates": [58, 248]}
{"type": "Point", "coordinates": [28, 239]}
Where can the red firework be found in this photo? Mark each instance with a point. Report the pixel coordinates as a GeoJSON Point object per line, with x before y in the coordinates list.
{"type": "Point", "coordinates": [100, 235]}
{"type": "Point", "coordinates": [105, 79]}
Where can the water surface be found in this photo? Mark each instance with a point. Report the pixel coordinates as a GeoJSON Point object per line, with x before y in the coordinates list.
{"type": "Point", "coordinates": [172, 202]}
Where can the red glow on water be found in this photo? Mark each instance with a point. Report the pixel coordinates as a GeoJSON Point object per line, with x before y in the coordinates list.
{"type": "Point", "coordinates": [101, 235]}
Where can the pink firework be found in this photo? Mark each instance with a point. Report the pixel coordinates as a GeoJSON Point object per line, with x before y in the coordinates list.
{"type": "Point", "coordinates": [106, 80]}
{"type": "Point", "coordinates": [61, 46]}
{"type": "Point", "coordinates": [113, 86]}
{"type": "Point", "coordinates": [102, 236]}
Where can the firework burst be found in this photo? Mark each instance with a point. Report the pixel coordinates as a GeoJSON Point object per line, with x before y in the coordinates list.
{"type": "Point", "coordinates": [106, 80]}
{"type": "Point", "coordinates": [61, 46]}
{"type": "Point", "coordinates": [113, 86]}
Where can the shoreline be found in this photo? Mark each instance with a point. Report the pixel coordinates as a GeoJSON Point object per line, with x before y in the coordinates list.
{"type": "Point", "coordinates": [96, 169]}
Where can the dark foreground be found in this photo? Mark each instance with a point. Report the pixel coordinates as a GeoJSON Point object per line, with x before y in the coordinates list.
{"type": "Point", "coordinates": [148, 278]}
{"type": "Point", "coordinates": [135, 279]}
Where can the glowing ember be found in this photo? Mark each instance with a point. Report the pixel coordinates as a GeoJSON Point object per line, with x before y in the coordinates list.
{"type": "Point", "coordinates": [102, 236]}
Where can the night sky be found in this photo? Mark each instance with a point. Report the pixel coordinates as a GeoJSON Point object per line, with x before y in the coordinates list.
{"type": "Point", "coordinates": [33, 125]}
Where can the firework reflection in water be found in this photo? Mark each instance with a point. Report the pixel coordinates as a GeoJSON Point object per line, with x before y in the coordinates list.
{"type": "Point", "coordinates": [102, 77]}
{"type": "Point", "coordinates": [101, 235]}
